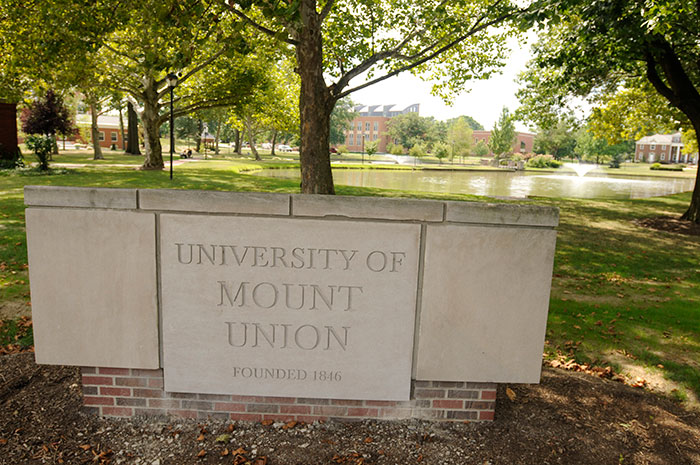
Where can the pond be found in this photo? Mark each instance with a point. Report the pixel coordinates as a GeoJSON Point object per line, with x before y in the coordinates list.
{"type": "Point", "coordinates": [506, 183]}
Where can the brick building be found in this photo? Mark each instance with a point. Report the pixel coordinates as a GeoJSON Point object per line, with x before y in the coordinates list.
{"type": "Point", "coordinates": [523, 144]}
{"type": "Point", "coordinates": [371, 124]}
{"type": "Point", "coordinates": [662, 148]}
{"type": "Point", "coordinates": [108, 127]}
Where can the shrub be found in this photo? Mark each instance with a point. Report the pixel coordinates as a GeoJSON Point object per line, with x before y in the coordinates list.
{"type": "Point", "coordinates": [543, 161]}
{"type": "Point", "coordinates": [42, 147]}
{"type": "Point", "coordinates": [441, 151]}
{"type": "Point", "coordinates": [660, 167]}
{"type": "Point", "coordinates": [342, 149]}
{"type": "Point", "coordinates": [417, 151]}
{"type": "Point", "coordinates": [396, 149]}
{"type": "Point", "coordinates": [616, 160]}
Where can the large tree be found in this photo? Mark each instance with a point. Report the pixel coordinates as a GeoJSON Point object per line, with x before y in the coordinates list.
{"type": "Point", "coordinates": [193, 38]}
{"type": "Point", "coordinates": [341, 41]}
{"type": "Point", "coordinates": [589, 47]}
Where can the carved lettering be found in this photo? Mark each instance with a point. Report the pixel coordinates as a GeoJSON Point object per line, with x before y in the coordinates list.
{"type": "Point", "coordinates": [276, 336]}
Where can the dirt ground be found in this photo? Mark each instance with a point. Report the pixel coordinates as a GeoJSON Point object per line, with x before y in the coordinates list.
{"type": "Point", "coordinates": [571, 418]}
{"type": "Point", "coordinates": [671, 224]}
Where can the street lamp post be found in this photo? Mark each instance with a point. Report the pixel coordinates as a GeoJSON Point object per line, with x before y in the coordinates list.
{"type": "Point", "coordinates": [172, 82]}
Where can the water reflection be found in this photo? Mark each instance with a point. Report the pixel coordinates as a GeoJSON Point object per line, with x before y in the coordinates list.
{"type": "Point", "coordinates": [506, 184]}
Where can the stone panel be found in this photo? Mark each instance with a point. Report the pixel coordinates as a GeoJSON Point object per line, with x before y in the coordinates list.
{"type": "Point", "coordinates": [214, 202]}
{"type": "Point", "coordinates": [501, 214]}
{"type": "Point", "coordinates": [93, 283]}
{"type": "Point", "coordinates": [367, 207]}
{"type": "Point", "coordinates": [90, 197]}
{"type": "Point", "coordinates": [484, 303]}
{"type": "Point", "coordinates": [313, 308]}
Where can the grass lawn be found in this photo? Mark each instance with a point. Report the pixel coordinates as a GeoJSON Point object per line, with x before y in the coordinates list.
{"type": "Point", "coordinates": [622, 295]}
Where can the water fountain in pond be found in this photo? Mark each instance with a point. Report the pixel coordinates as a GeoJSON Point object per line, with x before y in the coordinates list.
{"type": "Point", "coordinates": [581, 169]}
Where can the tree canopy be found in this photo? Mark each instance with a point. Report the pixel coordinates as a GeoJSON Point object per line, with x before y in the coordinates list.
{"type": "Point", "coordinates": [588, 48]}
{"type": "Point", "coordinates": [341, 41]}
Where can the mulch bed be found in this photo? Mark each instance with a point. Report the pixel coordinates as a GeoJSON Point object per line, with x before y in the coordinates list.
{"type": "Point", "coordinates": [671, 224]}
{"type": "Point", "coordinates": [570, 418]}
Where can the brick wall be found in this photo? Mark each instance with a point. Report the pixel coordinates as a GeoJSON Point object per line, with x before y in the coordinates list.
{"type": "Point", "coordinates": [124, 392]}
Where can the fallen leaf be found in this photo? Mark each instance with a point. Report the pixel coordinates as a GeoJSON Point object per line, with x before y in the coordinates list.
{"type": "Point", "coordinates": [266, 422]}
{"type": "Point", "coordinates": [240, 451]}
{"type": "Point", "coordinates": [200, 437]}
{"type": "Point", "coordinates": [202, 453]}
{"type": "Point", "coordinates": [511, 395]}
{"type": "Point", "coordinates": [3, 442]}
{"type": "Point", "coordinates": [289, 425]}
{"type": "Point", "coordinates": [225, 452]}
{"type": "Point", "coordinates": [260, 461]}
{"type": "Point", "coordinates": [368, 440]}
{"type": "Point", "coordinates": [230, 428]}
{"type": "Point", "coordinates": [86, 446]}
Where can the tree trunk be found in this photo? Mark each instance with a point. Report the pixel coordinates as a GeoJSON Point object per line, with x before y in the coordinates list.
{"type": "Point", "coordinates": [274, 141]}
{"type": "Point", "coordinates": [216, 138]}
{"type": "Point", "coordinates": [132, 145]}
{"type": "Point", "coordinates": [151, 129]}
{"type": "Point", "coordinates": [96, 148]}
{"type": "Point", "coordinates": [121, 126]}
{"type": "Point", "coordinates": [251, 138]}
{"type": "Point", "coordinates": [238, 142]}
{"type": "Point", "coordinates": [200, 130]}
{"type": "Point", "coordinates": [693, 212]}
{"type": "Point", "coordinates": [315, 105]}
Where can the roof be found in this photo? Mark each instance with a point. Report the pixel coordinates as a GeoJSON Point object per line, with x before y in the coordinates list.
{"type": "Point", "coordinates": [661, 139]}
{"type": "Point", "coordinates": [103, 121]}
{"type": "Point", "coordinates": [385, 110]}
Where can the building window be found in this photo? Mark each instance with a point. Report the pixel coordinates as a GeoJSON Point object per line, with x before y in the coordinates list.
{"type": "Point", "coordinates": [652, 147]}
{"type": "Point", "coordinates": [102, 136]}
{"type": "Point", "coordinates": [367, 126]}
{"type": "Point", "coordinates": [374, 137]}
{"type": "Point", "coordinates": [359, 126]}
{"type": "Point", "coordinates": [663, 147]}
{"type": "Point", "coordinates": [366, 136]}
{"type": "Point", "coordinates": [114, 136]}
{"type": "Point", "coordinates": [352, 139]}
{"type": "Point", "coordinates": [376, 126]}
{"type": "Point", "coordinates": [641, 147]}
{"type": "Point", "coordinates": [663, 156]}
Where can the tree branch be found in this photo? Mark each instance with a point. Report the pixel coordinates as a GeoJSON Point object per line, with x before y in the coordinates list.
{"type": "Point", "coordinates": [117, 52]}
{"type": "Point", "coordinates": [260, 27]}
{"type": "Point", "coordinates": [474, 29]}
{"type": "Point", "coordinates": [194, 70]}
{"type": "Point", "coordinates": [327, 9]}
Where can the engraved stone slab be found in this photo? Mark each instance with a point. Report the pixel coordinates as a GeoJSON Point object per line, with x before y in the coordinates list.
{"type": "Point", "coordinates": [288, 307]}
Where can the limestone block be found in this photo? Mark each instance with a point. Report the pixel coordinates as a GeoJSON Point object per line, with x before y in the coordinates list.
{"type": "Point", "coordinates": [501, 213]}
{"type": "Point", "coordinates": [288, 307]}
{"type": "Point", "coordinates": [484, 303]}
{"type": "Point", "coordinates": [367, 207]}
{"type": "Point", "coordinates": [214, 202]}
{"type": "Point", "coordinates": [90, 197]}
{"type": "Point", "coordinates": [93, 284]}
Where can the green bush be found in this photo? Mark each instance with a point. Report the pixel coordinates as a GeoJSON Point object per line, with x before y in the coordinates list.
{"type": "Point", "coordinates": [42, 147]}
{"type": "Point", "coordinates": [396, 149]}
{"type": "Point", "coordinates": [342, 149]}
{"type": "Point", "coordinates": [660, 167]}
{"type": "Point", "coordinates": [543, 161]}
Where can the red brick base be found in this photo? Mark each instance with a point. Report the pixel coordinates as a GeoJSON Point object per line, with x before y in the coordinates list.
{"type": "Point", "coordinates": [124, 392]}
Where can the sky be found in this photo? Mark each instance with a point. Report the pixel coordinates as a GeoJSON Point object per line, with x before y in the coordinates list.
{"type": "Point", "coordinates": [483, 103]}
